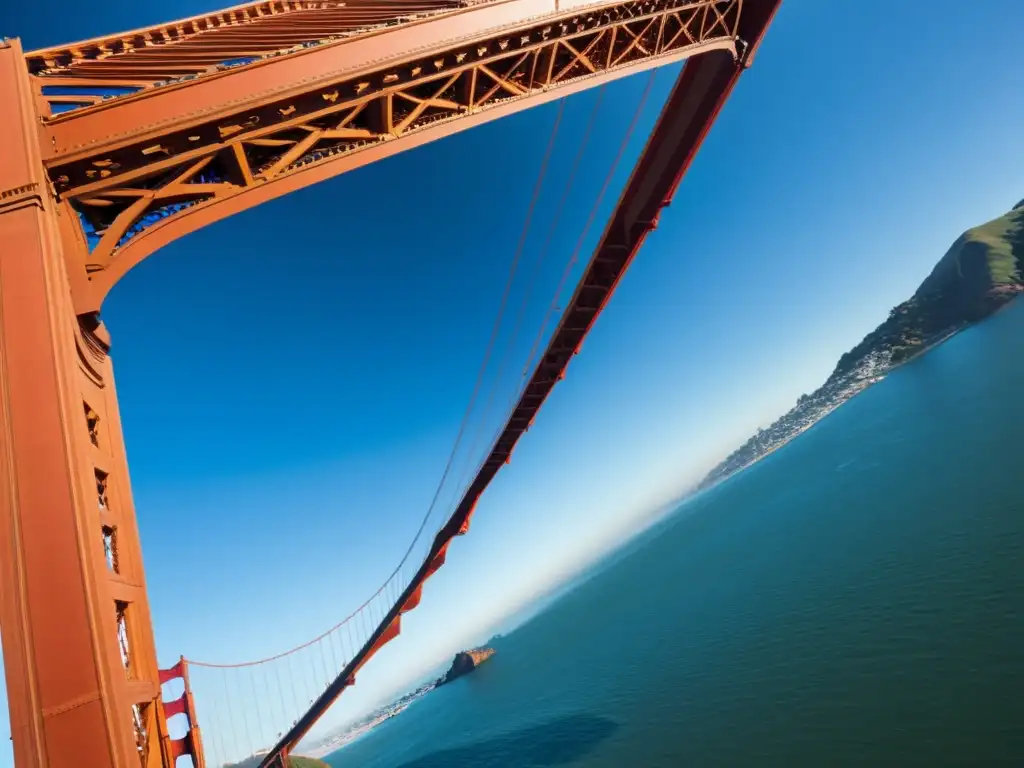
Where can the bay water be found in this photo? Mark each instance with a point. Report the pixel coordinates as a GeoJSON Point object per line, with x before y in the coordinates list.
{"type": "Point", "coordinates": [854, 599]}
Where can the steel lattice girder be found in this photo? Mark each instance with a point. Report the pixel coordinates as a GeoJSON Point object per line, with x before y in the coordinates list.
{"type": "Point", "coordinates": [138, 189]}
{"type": "Point", "coordinates": [699, 94]}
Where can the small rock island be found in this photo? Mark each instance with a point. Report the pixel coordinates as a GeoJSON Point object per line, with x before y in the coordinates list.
{"type": "Point", "coordinates": [465, 662]}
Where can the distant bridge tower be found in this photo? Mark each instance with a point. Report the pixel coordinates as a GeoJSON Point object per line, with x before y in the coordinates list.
{"type": "Point", "coordinates": [113, 147]}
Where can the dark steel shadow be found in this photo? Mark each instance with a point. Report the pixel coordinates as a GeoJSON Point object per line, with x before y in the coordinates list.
{"type": "Point", "coordinates": [556, 742]}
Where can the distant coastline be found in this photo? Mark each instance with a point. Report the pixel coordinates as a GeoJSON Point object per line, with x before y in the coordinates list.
{"type": "Point", "coordinates": [463, 663]}
{"type": "Point", "coordinates": [979, 275]}
{"type": "Point", "coordinates": [926, 348]}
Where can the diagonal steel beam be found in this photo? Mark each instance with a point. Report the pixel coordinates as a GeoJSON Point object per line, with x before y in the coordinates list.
{"type": "Point", "coordinates": [702, 89]}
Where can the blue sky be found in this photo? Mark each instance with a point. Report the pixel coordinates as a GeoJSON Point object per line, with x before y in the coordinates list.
{"type": "Point", "coordinates": [291, 379]}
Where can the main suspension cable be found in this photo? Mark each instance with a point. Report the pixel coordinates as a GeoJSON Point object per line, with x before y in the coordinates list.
{"type": "Point", "coordinates": [574, 258]}
{"type": "Point", "coordinates": [538, 184]}
{"type": "Point", "coordinates": [456, 523]}
{"type": "Point", "coordinates": [545, 248]}
{"type": "Point", "coordinates": [496, 328]}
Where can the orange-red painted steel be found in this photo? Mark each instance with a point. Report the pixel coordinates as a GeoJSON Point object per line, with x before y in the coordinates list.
{"type": "Point", "coordinates": [215, 114]}
{"type": "Point", "coordinates": [191, 744]}
{"type": "Point", "coordinates": [691, 109]}
{"type": "Point", "coordinates": [79, 656]}
{"type": "Point", "coordinates": [138, 190]}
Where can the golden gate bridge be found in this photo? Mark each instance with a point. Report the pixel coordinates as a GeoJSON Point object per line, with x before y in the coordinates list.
{"type": "Point", "coordinates": [116, 146]}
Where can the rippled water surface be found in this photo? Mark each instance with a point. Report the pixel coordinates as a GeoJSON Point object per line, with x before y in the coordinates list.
{"type": "Point", "coordinates": [854, 599]}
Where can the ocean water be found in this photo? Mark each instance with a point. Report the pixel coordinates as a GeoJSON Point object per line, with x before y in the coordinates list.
{"type": "Point", "coordinates": [856, 598]}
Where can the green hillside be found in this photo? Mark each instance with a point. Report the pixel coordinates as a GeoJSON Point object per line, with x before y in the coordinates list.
{"type": "Point", "coordinates": [980, 272]}
{"type": "Point", "coordinates": [993, 249]}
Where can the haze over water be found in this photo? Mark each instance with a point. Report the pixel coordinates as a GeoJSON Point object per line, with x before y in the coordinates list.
{"type": "Point", "coordinates": [855, 598]}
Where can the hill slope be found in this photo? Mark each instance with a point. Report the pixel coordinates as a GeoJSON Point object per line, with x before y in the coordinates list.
{"type": "Point", "coordinates": [978, 274]}
{"type": "Point", "coordinates": [982, 271]}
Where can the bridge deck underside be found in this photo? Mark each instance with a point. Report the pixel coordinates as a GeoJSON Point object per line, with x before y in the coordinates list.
{"type": "Point", "coordinates": [221, 112]}
{"type": "Point", "coordinates": [699, 94]}
{"type": "Point", "coordinates": [201, 44]}
{"type": "Point", "coordinates": [147, 184]}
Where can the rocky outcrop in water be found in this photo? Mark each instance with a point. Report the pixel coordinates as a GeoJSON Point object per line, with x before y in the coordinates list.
{"type": "Point", "coordinates": [465, 662]}
{"type": "Point", "coordinates": [462, 664]}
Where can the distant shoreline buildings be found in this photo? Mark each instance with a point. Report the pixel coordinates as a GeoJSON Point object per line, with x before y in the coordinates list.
{"type": "Point", "coordinates": [980, 273]}
{"type": "Point", "coordinates": [463, 663]}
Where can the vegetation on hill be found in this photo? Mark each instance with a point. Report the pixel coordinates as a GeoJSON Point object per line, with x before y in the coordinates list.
{"type": "Point", "coordinates": [982, 271]}
{"type": "Point", "coordinates": [979, 273]}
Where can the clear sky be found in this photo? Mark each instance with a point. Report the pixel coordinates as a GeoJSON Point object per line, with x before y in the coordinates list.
{"type": "Point", "coordinates": [291, 379]}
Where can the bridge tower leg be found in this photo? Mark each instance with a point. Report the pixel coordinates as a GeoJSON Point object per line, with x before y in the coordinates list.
{"type": "Point", "coordinates": [78, 648]}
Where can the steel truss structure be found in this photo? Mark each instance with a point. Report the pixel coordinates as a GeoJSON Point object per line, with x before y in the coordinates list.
{"type": "Point", "coordinates": [113, 147]}
{"type": "Point", "coordinates": [136, 190]}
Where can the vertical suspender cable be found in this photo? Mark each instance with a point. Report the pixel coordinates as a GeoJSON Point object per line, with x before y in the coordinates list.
{"type": "Point", "coordinates": [545, 247]}
{"type": "Point", "coordinates": [348, 624]}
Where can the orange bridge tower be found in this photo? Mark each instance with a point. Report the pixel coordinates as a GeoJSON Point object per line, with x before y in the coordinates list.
{"type": "Point", "coordinates": [113, 147]}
